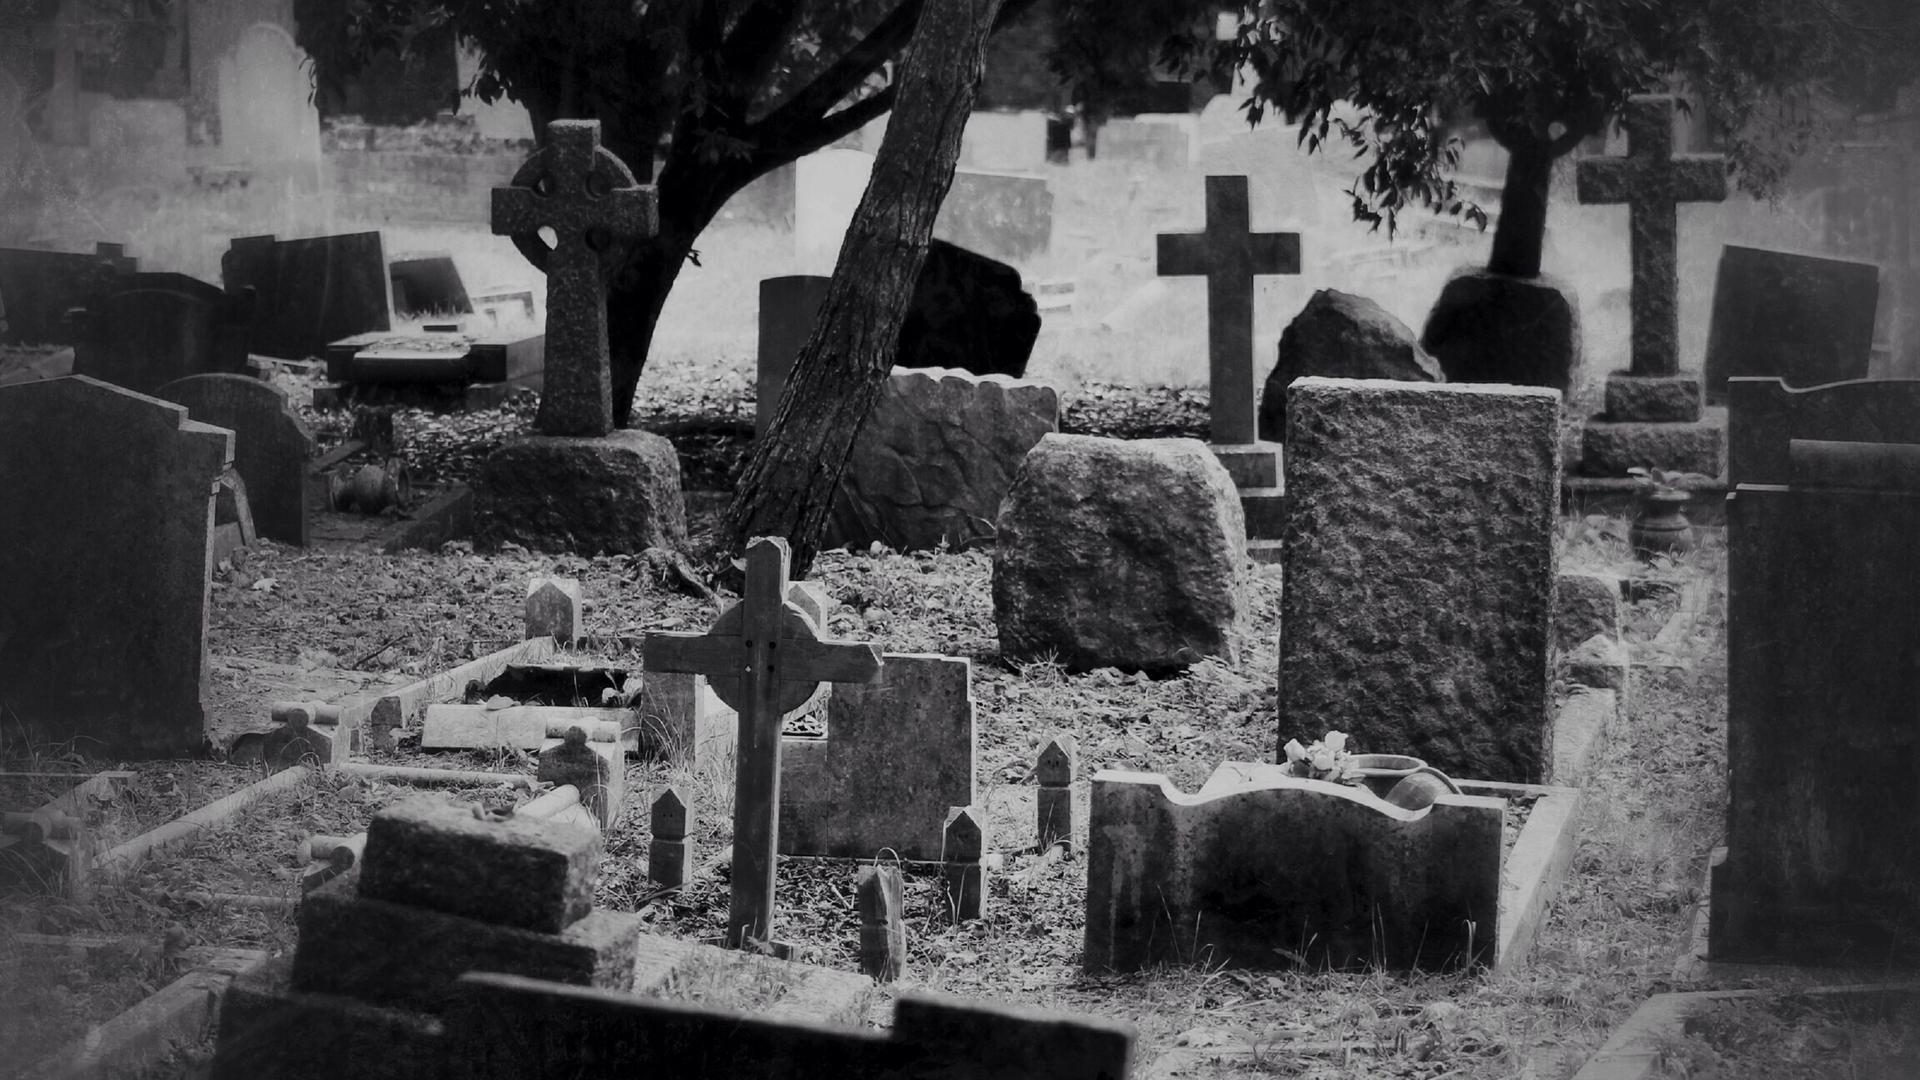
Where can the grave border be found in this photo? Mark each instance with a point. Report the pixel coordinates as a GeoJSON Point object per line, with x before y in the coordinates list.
{"type": "Point", "coordinates": [184, 1011]}
{"type": "Point", "coordinates": [1544, 849]}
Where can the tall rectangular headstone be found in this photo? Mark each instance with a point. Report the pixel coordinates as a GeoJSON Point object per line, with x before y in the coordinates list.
{"type": "Point", "coordinates": [311, 292]}
{"type": "Point", "coordinates": [1823, 612]}
{"type": "Point", "coordinates": [108, 545]}
{"type": "Point", "coordinates": [1804, 319]}
{"type": "Point", "coordinates": [787, 309]}
{"type": "Point", "coordinates": [1420, 567]}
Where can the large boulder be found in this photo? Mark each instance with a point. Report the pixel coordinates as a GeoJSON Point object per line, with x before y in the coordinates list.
{"type": "Point", "coordinates": [968, 312]}
{"type": "Point", "coordinates": [1496, 328]}
{"type": "Point", "coordinates": [619, 494]}
{"type": "Point", "coordinates": [1341, 336]}
{"type": "Point", "coordinates": [1123, 554]}
{"type": "Point", "coordinates": [935, 458]}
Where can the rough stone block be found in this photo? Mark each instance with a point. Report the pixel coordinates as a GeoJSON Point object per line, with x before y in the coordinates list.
{"type": "Point", "coordinates": [1653, 399]}
{"type": "Point", "coordinates": [554, 609]}
{"type": "Point", "coordinates": [266, 1029]}
{"type": "Point", "coordinates": [1124, 554]}
{"type": "Point", "coordinates": [520, 872]}
{"type": "Point", "coordinates": [1177, 878]}
{"type": "Point", "coordinates": [406, 956]}
{"type": "Point", "coordinates": [1586, 604]}
{"type": "Point", "coordinates": [1610, 449]}
{"type": "Point", "coordinates": [1342, 336]}
{"type": "Point", "coordinates": [614, 495]}
{"type": "Point", "coordinates": [1420, 569]}
{"type": "Point", "coordinates": [936, 457]}
{"type": "Point", "coordinates": [899, 753]}
{"type": "Point", "coordinates": [1492, 328]}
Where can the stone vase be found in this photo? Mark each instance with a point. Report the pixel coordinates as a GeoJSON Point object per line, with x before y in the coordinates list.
{"type": "Point", "coordinates": [1660, 525]}
{"type": "Point", "coordinates": [1403, 780]}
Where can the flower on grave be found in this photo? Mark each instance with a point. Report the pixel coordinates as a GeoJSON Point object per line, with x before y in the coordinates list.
{"type": "Point", "coordinates": [1326, 759]}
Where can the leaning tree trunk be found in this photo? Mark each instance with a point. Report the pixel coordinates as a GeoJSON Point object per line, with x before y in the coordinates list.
{"type": "Point", "coordinates": [837, 378]}
{"type": "Point", "coordinates": [1522, 231]}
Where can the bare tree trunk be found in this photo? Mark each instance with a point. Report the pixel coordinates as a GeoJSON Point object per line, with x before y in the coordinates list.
{"type": "Point", "coordinates": [788, 486]}
{"type": "Point", "coordinates": [1521, 234]}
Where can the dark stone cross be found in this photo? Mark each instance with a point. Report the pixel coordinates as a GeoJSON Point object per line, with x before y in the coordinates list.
{"type": "Point", "coordinates": [763, 660]}
{"type": "Point", "coordinates": [1229, 254]}
{"type": "Point", "coordinates": [591, 201]}
{"type": "Point", "coordinates": [1653, 181]}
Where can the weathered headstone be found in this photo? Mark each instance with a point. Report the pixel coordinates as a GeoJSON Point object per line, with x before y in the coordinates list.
{"type": "Point", "coordinates": [40, 287]}
{"type": "Point", "coordinates": [271, 446]}
{"type": "Point", "coordinates": [310, 292]}
{"type": "Point", "coordinates": [520, 872]}
{"type": "Point", "coordinates": [669, 852]}
{"type": "Point", "coordinates": [935, 458]}
{"type": "Point", "coordinates": [1823, 610]}
{"type": "Point", "coordinates": [963, 867]}
{"type": "Point", "coordinates": [554, 608]}
{"type": "Point", "coordinates": [590, 200]}
{"type": "Point", "coordinates": [1053, 806]}
{"type": "Point", "coordinates": [1341, 336]}
{"type": "Point", "coordinates": [1272, 871]}
{"type": "Point", "coordinates": [787, 307]}
{"type": "Point", "coordinates": [151, 329]}
{"type": "Point", "coordinates": [511, 1028]}
{"type": "Point", "coordinates": [1157, 142]}
{"type": "Point", "coordinates": [898, 756]}
{"type": "Point", "coordinates": [883, 931]}
{"type": "Point", "coordinates": [1014, 141]}
{"type": "Point", "coordinates": [428, 285]}
{"type": "Point", "coordinates": [105, 580]}
{"type": "Point", "coordinates": [1800, 318]}
{"type": "Point", "coordinates": [764, 658]}
{"type": "Point", "coordinates": [1420, 568]}
{"type": "Point", "coordinates": [1159, 515]}
{"type": "Point", "coordinates": [1229, 254]}
{"type": "Point", "coordinates": [968, 312]}
{"type": "Point", "coordinates": [1002, 215]}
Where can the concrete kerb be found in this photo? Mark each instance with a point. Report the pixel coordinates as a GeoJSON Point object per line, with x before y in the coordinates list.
{"type": "Point", "coordinates": [182, 1013]}
{"type": "Point", "coordinates": [1536, 868]}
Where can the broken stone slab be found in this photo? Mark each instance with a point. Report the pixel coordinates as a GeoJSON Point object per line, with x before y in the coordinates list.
{"type": "Point", "coordinates": [403, 955]}
{"type": "Point", "coordinates": [1127, 554]}
{"type": "Point", "coordinates": [520, 872]}
{"type": "Point", "coordinates": [1181, 878]}
{"type": "Point", "coordinates": [1587, 603]}
{"type": "Point", "coordinates": [457, 726]}
{"type": "Point", "coordinates": [616, 494]}
{"type": "Point", "coordinates": [1658, 399]}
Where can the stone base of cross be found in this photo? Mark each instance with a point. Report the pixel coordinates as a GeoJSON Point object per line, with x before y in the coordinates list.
{"type": "Point", "coordinates": [762, 657]}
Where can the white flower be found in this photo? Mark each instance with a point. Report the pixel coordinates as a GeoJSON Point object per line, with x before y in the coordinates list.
{"type": "Point", "coordinates": [1336, 741]}
{"type": "Point", "coordinates": [1295, 752]}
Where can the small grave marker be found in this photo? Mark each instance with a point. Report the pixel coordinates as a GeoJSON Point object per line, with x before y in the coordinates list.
{"type": "Point", "coordinates": [669, 852]}
{"type": "Point", "coordinates": [553, 609]}
{"type": "Point", "coordinates": [763, 659]}
{"type": "Point", "coordinates": [1059, 760]}
{"type": "Point", "coordinates": [591, 201]}
{"type": "Point", "coordinates": [963, 865]}
{"type": "Point", "coordinates": [1229, 254]}
{"type": "Point", "coordinates": [883, 932]}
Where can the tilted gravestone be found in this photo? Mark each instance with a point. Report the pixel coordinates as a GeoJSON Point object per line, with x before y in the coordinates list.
{"type": "Point", "coordinates": [271, 448]}
{"type": "Point", "coordinates": [311, 292]}
{"type": "Point", "coordinates": [1804, 319]}
{"type": "Point", "coordinates": [41, 287]}
{"type": "Point", "coordinates": [787, 309]}
{"type": "Point", "coordinates": [103, 590]}
{"type": "Point", "coordinates": [1342, 336]}
{"type": "Point", "coordinates": [968, 312]}
{"type": "Point", "coordinates": [898, 756]}
{"type": "Point", "coordinates": [428, 285]}
{"type": "Point", "coordinates": [151, 329]}
{"type": "Point", "coordinates": [1420, 568]}
{"type": "Point", "coordinates": [1823, 610]}
{"type": "Point", "coordinates": [1355, 882]}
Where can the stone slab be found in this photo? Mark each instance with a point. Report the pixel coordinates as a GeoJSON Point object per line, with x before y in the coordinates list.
{"type": "Point", "coordinates": [899, 754]}
{"type": "Point", "coordinates": [1659, 399]}
{"type": "Point", "coordinates": [936, 457]}
{"type": "Point", "coordinates": [617, 494]}
{"type": "Point", "coordinates": [1579, 731]}
{"type": "Point", "coordinates": [271, 446]}
{"type": "Point", "coordinates": [1610, 449]}
{"type": "Point", "coordinates": [1002, 215]}
{"type": "Point", "coordinates": [1420, 566]}
{"type": "Point", "coordinates": [400, 955]}
{"type": "Point", "coordinates": [684, 721]}
{"type": "Point", "coordinates": [98, 646]}
{"type": "Point", "coordinates": [1586, 603]}
{"type": "Point", "coordinates": [40, 287]}
{"type": "Point", "coordinates": [1197, 879]}
{"type": "Point", "coordinates": [1250, 465]}
{"type": "Point", "coordinates": [1765, 416]}
{"type": "Point", "coordinates": [456, 726]}
{"type": "Point", "coordinates": [151, 329]}
{"type": "Point", "coordinates": [1803, 319]}
{"type": "Point", "coordinates": [428, 285]}
{"type": "Point", "coordinates": [312, 291]}
{"type": "Point", "coordinates": [519, 872]}
{"type": "Point", "coordinates": [267, 1029]}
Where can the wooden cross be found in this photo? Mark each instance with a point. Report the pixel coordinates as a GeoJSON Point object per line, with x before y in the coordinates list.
{"type": "Point", "coordinates": [590, 200]}
{"type": "Point", "coordinates": [1652, 181]}
{"type": "Point", "coordinates": [1229, 254]}
{"type": "Point", "coordinates": [764, 660]}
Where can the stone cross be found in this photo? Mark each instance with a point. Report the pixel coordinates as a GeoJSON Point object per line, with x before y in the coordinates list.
{"type": "Point", "coordinates": [591, 201]}
{"type": "Point", "coordinates": [1653, 181]}
{"type": "Point", "coordinates": [1229, 254]}
{"type": "Point", "coordinates": [764, 660]}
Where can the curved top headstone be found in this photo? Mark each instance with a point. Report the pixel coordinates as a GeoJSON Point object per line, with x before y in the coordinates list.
{"type": "Point", "coordinates": [271, 445]}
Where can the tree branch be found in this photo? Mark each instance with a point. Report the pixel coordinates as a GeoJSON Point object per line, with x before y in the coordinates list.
{"type": "Point", "coordinates": [841, 78]}
{"type": "Point", "coordinates": [753, 47]}
{"type": "Point", "coordinates": [824, 132]}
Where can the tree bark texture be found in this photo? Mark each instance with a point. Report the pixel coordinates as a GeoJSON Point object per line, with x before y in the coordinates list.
{"type": "Point", "coordinates": [1521, 234]}
{"type": "Point", "coordinates": [789, 483]}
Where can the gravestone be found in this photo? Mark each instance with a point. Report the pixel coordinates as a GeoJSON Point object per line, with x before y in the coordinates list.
{"type": "Point", "coordinates": [1164, 143]}
{"type": "Point", "coordinates": [1804, 319]}
{"type": "Point", "coordinates": [738, 654]}
{"type": "Point", "coordinates": [787, 309]}
{"type": "Point", "coordinates": [267, 119]}
{"type": "Point", "coordinates": [968, 312]}
{"type": "Point", "coordinates": [151, 329]}
{"type": "Point", "coordinates": [40, 287]}
{"type": "Point", "coordinates": [482, 361]}
{"type": "Point", "coordinates": [1124, 554]}
{"type": "Point", "coordinates": [512, 1027]}
{"type": "Point", "coordinates": [1013, 141]}
{"type": "Point", "coordinates": [1002, 215]}
{"type": "Point", "coordinates": [311, 292]}
{"type": "Point", "coordinates": [1653, 415]}
{"type": "Point", "coordinates": [428, 285]}
{"type": "Point", "coordinates": [898, 756]}
{"type": "Point", "coordinates": [1823, 843]}
{"type": "Point", "coordinates": [271, 447]}
{"type": "Point", "coordinates": [1356, 882]}
{"type": "Point", "coordinates": [935, 458]}
{"type": "Point", "coordinates": [105, 582]}
{"type": "Point", "coordinates": [1420, 569]}
{"type": "Point", "coordinates": [827, 187]}
{"type": "Point", "coordinates": [1340, 336]}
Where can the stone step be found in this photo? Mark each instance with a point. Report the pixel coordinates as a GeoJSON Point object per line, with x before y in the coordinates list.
{"type": "Point", "coordinates": [1251, 465]}
{"type": "Point", "coordinates": [1264, 551]}
{"type": "Point", "coordinates": [1266, 510]}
